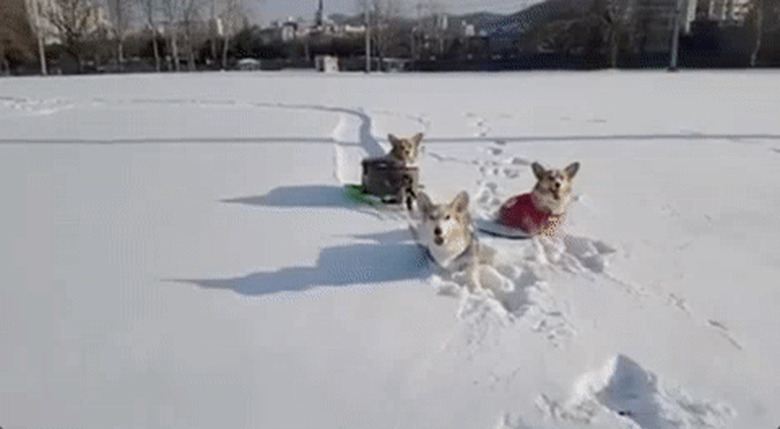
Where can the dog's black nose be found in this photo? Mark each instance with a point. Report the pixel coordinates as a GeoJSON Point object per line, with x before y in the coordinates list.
{"type": "Point", "coordinates": [437, 231]}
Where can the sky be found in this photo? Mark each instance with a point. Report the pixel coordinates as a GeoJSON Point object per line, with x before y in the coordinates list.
{"type": "Point", "coordinates": [268, 10]}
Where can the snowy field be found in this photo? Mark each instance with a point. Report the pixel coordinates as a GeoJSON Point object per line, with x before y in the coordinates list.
{"type": "Point", "coordinates": [177, 252]}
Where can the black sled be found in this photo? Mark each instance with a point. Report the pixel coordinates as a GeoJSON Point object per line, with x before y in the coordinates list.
{"type": "Point", "coordinates": [389, 180]}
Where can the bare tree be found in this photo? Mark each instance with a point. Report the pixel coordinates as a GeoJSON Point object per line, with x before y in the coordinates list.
{"type": "Point", "coordinates": [149, 10]}
{"type": "Point", "coordinates": [436, 23]}
{"type": "Point", "coordinates": [73, 20]}
{"type": "Point", "coordinates": [171, 11]}
{"type": "Point", "coordinates": [757, 7]}
{"type": "Point", "coordinates": [617, 21]}
{"type": "Point", "coordinates": [121, 14]}
{"type": "Point", "coordinates": [381, 17]}
{"type": "Point", "coordinates": [764, 17]}
{"type": "Point", "coordinates": [190, 15]}
{"type": "Point", "coordinates": [33, 8]}
{"type": "Point", "coordinates": [213, 30]}
{"type": "Point", "coordinates": [232, 18]}
{"type": "Point", "coordinates": [557, 36]}
{"type": "Point", "coordinates": [16, 45]}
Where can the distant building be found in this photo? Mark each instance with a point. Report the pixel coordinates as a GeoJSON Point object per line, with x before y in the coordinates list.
{"type": "Point", "coordinates": [289, 30]}
{"type": "Point", "coordinates": [352, 29]}
{"type": "Point", "coordinates": [468, 30]}
{"type": "Point", "coordinates": [326, 63]}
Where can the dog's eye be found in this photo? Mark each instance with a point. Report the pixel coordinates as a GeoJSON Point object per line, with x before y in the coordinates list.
{"type": "Point", "coordinates": [447, 217]}
{"type": "Point", "coordinates": [432, 217]}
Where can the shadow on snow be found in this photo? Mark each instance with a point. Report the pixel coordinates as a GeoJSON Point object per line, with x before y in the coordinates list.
{"type": "Point", "coordinates": [354, 264]}
{"type": "Point", "coordinates": [321, 196]}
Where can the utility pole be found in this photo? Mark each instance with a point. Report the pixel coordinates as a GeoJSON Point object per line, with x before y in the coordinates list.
{"type": "Point", "coordinates": [368, 38]}
{"type": "Point", "coordinates": [676, 36]}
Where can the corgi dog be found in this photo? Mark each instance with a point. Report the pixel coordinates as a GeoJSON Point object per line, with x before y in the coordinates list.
{"type": "Point", "coordinates": [447, 234]}
{"type": "Point", "coordinates": [541, 211]}
{"type": "Point", "coordinates": [446, 231]}
{"type": "Point", "coordinates": [404, 150]}
{"type": "Point", "coordinates": [393, 177]}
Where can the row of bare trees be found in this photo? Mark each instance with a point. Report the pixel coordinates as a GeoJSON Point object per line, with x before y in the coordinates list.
{"type": "Point", "coordinates": [70, 24]}
{"type": "Point", "coordinates": [613, 26]}
{"type": "Point", "coordinates": [381, 17]}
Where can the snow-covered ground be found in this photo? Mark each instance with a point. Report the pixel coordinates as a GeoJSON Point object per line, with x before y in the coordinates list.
{"type": "Point", "coordinates": [177, 252]}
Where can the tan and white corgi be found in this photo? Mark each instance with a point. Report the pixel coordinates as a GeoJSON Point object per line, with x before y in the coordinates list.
{"type": "Point", "coordinates": [553, 190]}
{"type": "Point", "coordinates": [542, 210]}
{"type": "Point", "coordinates": [404, 150]}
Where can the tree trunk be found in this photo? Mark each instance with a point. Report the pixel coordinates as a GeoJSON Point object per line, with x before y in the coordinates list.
{"type": "Point", "coordinates": [225, 47]}
{"type": "Point", "coordinates": [213, 31]}
{"type": "Point", "coordinates": [156, 50]}
{"type": "Point", "coordinates": [190, 52]}
{"type": "Point", "coordinates": [42, 56]}
{"type": "Point", "coordinates": [6, 69]}
{"type": "Point", "coordinates": [39, 34]}
{"type": "Point", "coordinates": [759, 24]}
{"type": "Point", "coordinates": [613, 48]}
{"type": "Point", "coordinates": [175, 53]}
{"type": "Point", "coordinates": [120, 53]}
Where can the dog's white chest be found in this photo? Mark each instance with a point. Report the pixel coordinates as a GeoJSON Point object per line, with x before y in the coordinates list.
{"type": "Point", "coordinates": [446, 254]}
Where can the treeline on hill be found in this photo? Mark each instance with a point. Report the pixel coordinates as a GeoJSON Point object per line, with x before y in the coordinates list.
{"type": "Point", "coordinates": [153, 35]}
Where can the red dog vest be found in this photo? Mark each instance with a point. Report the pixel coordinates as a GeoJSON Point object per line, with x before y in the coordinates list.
{"type": "Point", "coordinates": [520, 212]}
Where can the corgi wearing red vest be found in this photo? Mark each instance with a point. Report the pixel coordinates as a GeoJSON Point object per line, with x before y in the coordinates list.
{"type": "Point", "coordinates": [541, 211]}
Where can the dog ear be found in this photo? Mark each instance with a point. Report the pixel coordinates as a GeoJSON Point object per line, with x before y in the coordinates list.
{"type": "Point", "coordinates": [424, 203]}
{"type": "Point", "coordinates": [571, 170]}
{"type": "Point", "coordinates": [538, 170]}
{"type": "Point", "coordinates": [461, 202]}
{"type": "Point", "coordinates": [416, 139]}
{"type": "Point", "coordinates": [395, 141]}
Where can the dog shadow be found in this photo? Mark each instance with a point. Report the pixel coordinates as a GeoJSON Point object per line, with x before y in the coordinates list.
{"type": "Point", "coordinates": [317, 197]}
{"type": "Point", "coordinates": [321, 196]}
{"type": "Point", "coordinates": [339, 266]}
{"type": "Point", "coordinates": [395, 236]}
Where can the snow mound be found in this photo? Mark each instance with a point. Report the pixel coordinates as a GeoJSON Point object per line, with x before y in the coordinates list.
{"type": "Point", "coordinates": [636, 397]}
